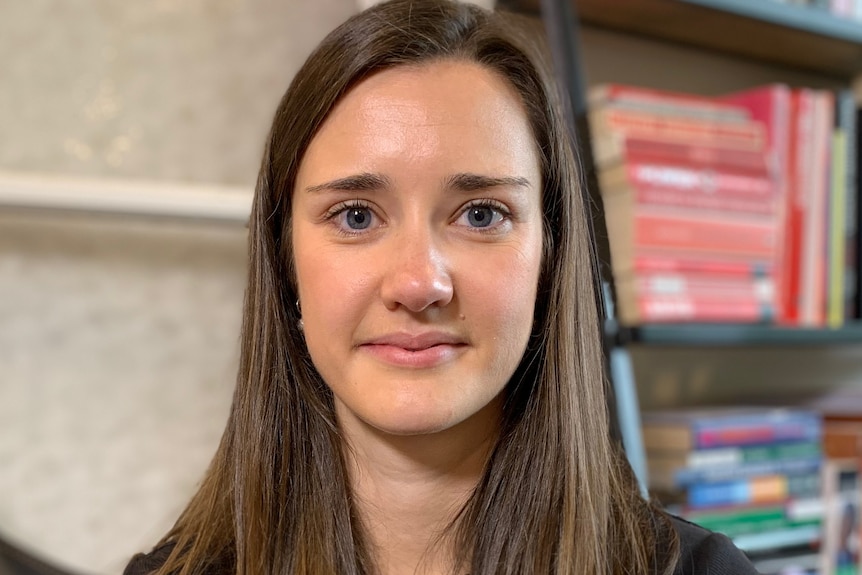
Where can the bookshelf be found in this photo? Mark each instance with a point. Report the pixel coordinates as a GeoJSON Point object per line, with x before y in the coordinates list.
{"type": "Point", "coordinates": [737, 335]}
{"type": "Point", "coordinates": [792, 38]}
{"type": "Point", "coordinates": [766, 30]}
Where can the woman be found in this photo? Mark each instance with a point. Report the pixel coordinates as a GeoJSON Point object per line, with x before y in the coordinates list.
{"type": "Point", "coordinates": [421, 385]}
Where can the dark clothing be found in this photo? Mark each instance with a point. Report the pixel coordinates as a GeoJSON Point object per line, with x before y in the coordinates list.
{"type": "Point", "coordinates": [702, 552]}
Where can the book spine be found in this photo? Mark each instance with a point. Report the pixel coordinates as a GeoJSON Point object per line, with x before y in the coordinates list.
{"type": "Point", "coordinates": [670, 263]}
{"type": "Point", "coordinates": [744, 526]}
{"type": "Point", "coordinates": [772, 105]}
{"type": "Point", "coordinates": [801, 118]}
{"type": "Point", "coordinates": [661, 101]}
{"type": "Point", "coordinates": [611, 127]}
{"type": "Point", "coordinates": [638, 148]}
{"type": "Point", "coordinates": [846, 112]}
{"type": "Point", "coordinates": [652, 308]}
{"type": "Point", "coordinates": [836, 261]}
{"type": "Point", "coordinates": [704, 285]}
{"type": "Point", "coordinates": [767, 489]}
{"type": "Point", "coordinates": [723, 456]}
{"type": "Point", "coordinates": [805, 535]}
{"type": "Point", "coordinates": [662, 183]}
{"type": "Point", "coordinates": [694, 179]}
{"type": "Point", "coordinates": [685, 477]}
{"type": "Point", "coordinates": [816, 190]}
{"type": "Point", "coordinates": [800, 426]}
{"type": "Point", "coordinates": [659, 228]}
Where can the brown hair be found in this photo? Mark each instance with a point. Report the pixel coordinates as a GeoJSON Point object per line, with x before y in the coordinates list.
{"type": "Point", "coordinates": [556, 496]}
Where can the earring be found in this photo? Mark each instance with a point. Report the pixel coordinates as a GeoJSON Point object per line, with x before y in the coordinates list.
{"type": "Point", "coordinates": [300, 324]}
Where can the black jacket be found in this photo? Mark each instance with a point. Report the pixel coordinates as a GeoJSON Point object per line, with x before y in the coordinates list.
{"type": "Point", "coordinates": [702, 552]}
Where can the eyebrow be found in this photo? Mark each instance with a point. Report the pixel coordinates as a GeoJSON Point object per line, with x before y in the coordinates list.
{"type": "Point", "coordinates": [464, 182]}
{"type": "Point", "coordinates": [474, 182]}
{"type": "Point", "coordinates": [357, 183]}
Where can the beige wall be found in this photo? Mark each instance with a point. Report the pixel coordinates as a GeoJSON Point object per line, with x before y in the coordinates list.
{"type": "Point", "coordinates": [157, 89]}
{"type": "Point", "coordinates": [118, 338]}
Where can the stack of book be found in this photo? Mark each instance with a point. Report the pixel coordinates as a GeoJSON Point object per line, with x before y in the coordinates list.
{"type": "Point", "coordinates": [842, 487]}
{"type": "Point", "coordinates": [751, 473]}
{"type": "Point", "coordinates": [739, 208]}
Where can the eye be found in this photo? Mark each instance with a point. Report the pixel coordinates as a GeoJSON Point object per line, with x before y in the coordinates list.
{"type": "Point", "coordinates": [482, 215]}
{"type": "Point", "coordinates": [352, 217]}
{"type": "Point", "coordinates": [357, 218]}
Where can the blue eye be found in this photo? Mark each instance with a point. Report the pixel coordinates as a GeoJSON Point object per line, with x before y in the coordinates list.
{"type": "Point", "coordinates": [482, 216]}
{"type": "Point", "coordinates": [357, 218]}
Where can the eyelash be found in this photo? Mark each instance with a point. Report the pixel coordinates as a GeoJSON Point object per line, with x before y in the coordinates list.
{"type": "Point", "coordinates": [487, 203]}
{"type": "Point", "coordinates": [342, 207]}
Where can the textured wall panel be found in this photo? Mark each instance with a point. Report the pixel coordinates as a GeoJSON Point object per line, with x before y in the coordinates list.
{"type": "Point", "coordinates": [118, 353]}
{"type": "Point", "coordinates": [181, 90]}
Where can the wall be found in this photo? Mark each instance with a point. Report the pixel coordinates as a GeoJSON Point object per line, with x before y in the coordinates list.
{"type": "Point", "coordinates": [118, 338]}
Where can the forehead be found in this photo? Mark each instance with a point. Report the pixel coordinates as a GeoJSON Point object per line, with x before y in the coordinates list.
{"type": "Point", "coordinates": [462, 112]}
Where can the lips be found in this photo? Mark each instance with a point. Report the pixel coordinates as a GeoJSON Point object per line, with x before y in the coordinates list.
{"type": "Point", "coordinates": [415, 350]}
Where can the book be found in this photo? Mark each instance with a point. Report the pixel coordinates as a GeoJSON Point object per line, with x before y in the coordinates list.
{"type": "Point", "coordinates": [663, 102]}
{"type": "Point", "coordinates": [667, 479]}
{"type": "Point", "coordinates": [730, 456]}
{"type": "Point", "coordinates": [762, 489]}
{"type": "Point", "coordinates": [610, 128]}
{"type": "Point", "coordinates": [666, 298]}
{"type": "Point", "coordinates": [634, 227]}
{"type": "Point", "coordinates": [689, 186]}
{"type": "Point", "coordinates": [646, 262]}
{"type": "Point", "coordinates": [845, 103]}
{"type": "Point", "coordinates": [841, 535]}
{"type": "Point", "coordinates": [815, 246]}
{"type": "Point", "coordinates": [835, 299]}
{"type": "Point", "coordinates": [691, 429]}
{"type": "Point", "coordinates": [772, 105]}
{"type": "Point", "coordinates": [734, 521]}
{"type": "Point", "coordinates": [643, 148]}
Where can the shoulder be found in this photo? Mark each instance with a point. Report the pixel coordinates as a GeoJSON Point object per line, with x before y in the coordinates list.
{"type": "Point", "coordinates": [147, 563]}
{"type": "Point", "coordinates": [702, 551]}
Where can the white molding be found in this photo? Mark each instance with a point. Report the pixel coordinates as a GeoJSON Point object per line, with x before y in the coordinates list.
{"type": "Point", "coordinates": [125, 198]}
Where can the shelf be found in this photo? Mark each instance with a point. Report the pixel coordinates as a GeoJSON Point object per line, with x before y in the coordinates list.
{"type": "Point", "coordinates": [785, 34]}
{"type": "Point", "coordinates": [736, 335]}
{"type": "Point", "coordinates": [125, 198]}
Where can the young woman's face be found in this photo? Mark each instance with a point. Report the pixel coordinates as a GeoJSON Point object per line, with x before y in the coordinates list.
{"type": "Point", "coordinates": [417, 237]}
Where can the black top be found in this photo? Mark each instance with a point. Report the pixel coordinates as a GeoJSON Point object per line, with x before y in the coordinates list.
{"type": "Point", "coordinates": [701, 552]}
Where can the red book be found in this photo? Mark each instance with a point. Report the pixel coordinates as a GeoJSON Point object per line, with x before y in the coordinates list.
{"type": "Point", "coordinates": [611, 127]}
{"type": "Point", "coordinates": [802, 117]}
{"type": "Point", "coordinates": [663, 102]}
{"type": "Point", "coordinates": [689, 233]}
{"type": "Point", "coordinates": [636, 148]}
{"type": "Point", "coordinates": [649, 309]}
{"type": "Point", "coordinates": [772, 105]}
{"type": "Point", "coordinates": [690, 186]}
{"type": "Point", "coordinates": [704, 285]}
{"type": "Point", "coordinates": [659, 262]}
{"type": "Point", "coordinates": [694, 297]}
{"type": "Point", "coordinates": [815, 251]}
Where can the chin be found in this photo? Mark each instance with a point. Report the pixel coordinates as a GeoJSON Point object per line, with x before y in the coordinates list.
{"type": "Point", "coordinates": [409, 423]}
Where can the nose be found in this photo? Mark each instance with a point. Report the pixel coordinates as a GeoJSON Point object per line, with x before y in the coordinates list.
{"type": "Point", "coordinates": [418, 276]}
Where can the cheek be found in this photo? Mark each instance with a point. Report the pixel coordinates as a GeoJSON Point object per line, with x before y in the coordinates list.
{"type": "Point", "coordinates": [501, 292]}
{"type": "Point", "coordinates": [333, 288]}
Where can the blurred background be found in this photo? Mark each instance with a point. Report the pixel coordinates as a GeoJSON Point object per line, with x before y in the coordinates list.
{"type": "Point", "coordinates": [131, 138]}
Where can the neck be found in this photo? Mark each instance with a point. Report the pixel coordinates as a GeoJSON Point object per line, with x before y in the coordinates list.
{"type": "Point", "coordinates": [409, 489]}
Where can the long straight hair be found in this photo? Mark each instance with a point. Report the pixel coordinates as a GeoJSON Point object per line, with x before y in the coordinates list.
{"type": "Point", "coordinates": [556, 496]}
